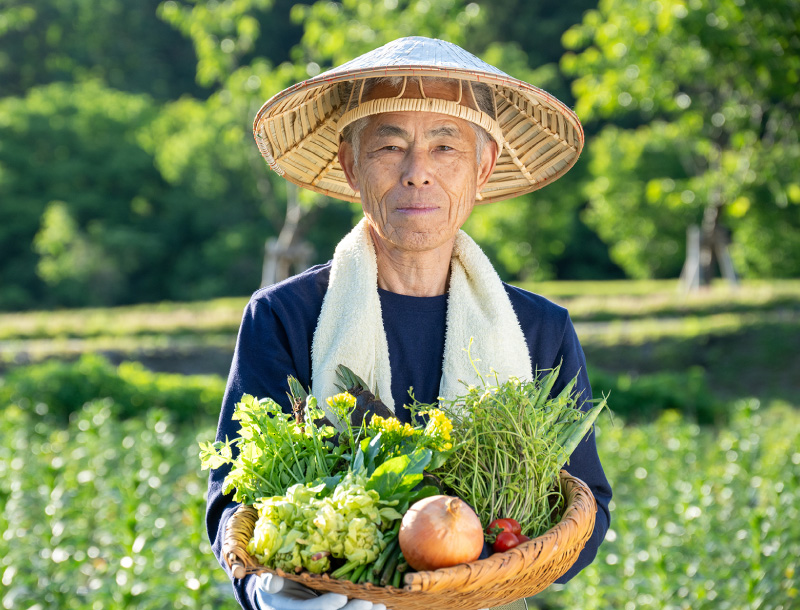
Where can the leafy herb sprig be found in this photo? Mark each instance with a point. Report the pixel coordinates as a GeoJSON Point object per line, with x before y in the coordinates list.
{"type": "Point", "coordinates": [511, 440]}
{"type": "Point", "coordinates": [273, 450]}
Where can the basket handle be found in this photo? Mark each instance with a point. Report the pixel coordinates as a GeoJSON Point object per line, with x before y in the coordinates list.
{"type": "Point", "coordinates": [238, 569]}
{"type": "Point", "coordinates": [239, 529]}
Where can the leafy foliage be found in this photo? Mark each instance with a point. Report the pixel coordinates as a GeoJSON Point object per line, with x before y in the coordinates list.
{"type": "Point", "coordinates": [700, 518]}
{"type": "Point", "coordinates": [124, 44]}
{"type": "Point", "coordinates": [55, 390]}
{"type": "Point", "coordinates": [67, 144]}
{"type": "Point", "coordinates": [273, 451]}
{"type": "Point", "coordinates": [103, 513]}
{"type": "Point", "coordinates": [78, 180]}
{"type": "Point", "coordinates": [702, 105]}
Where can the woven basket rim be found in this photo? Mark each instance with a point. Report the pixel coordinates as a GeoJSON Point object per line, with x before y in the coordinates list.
{"type": "Point", "coordinates": [539, 552]}
{"type": "Point", "coordinates": [313, 164]}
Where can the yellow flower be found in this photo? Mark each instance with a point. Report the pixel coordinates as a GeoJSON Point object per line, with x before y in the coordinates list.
{"type": "Point", "coordinates": [438, 424]}
{"type": "Point", "coordinates": [438, 429]}
{"type": "Point", "coordinates": [389, 425]}
{"type": "Point", "coordinates": [342, 403]}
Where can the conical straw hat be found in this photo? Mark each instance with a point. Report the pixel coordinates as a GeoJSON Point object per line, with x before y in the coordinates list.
{"type": "Point", "coordinates": [297, 130]}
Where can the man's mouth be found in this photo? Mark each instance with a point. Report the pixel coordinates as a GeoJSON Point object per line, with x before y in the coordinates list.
{"type": "Point", "coordinates": [419, 206]}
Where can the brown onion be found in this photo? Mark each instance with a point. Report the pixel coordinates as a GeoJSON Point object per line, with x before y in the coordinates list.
{"type": "Point", "coordinates": [439, 532]}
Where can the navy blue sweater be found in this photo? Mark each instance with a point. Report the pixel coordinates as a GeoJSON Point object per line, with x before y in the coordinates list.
{"type": "Point", "coordinates": [275, 341]}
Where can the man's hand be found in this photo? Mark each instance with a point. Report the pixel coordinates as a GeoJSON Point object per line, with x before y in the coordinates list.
{"type": "Point", "coordinates": [276, 593]}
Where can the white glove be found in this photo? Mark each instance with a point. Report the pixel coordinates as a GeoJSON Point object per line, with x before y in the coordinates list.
{"type": "Point", "coordinates": [276, 593]}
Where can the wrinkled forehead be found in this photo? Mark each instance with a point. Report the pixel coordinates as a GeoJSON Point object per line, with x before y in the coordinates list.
{"type": "Point", "coordinates": [426, 124]}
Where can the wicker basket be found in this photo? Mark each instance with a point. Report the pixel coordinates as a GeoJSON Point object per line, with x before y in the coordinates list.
{"type": "Point", "coordinates": [501, 578]}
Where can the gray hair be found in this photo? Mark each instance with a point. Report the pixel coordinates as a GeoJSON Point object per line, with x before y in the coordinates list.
{"type": "Point", "coordinates": [484, 98]}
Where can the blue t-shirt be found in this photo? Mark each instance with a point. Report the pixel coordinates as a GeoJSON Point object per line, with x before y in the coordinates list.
{"type": "Point", "coordinates": [416, 346]}
{"type": "Point", "coordinates": [275, 342]}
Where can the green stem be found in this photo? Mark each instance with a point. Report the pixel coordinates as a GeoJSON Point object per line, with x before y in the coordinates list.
{"type": "Point", "coordinates": [398, 574]}
{"type": "Point", "coordinates": [388, 570]}
{"type": "Point", "coordinates": [356, 577]}
{"type": "Point", "coordinates": [391, 547]}
{"type": "Point", "coordinates": [345, 570]}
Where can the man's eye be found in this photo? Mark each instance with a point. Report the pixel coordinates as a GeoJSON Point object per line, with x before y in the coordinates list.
{"type": "Point", "coordinates": [444, 147]}
{"type": "Point", "coordinates": [390, 147]}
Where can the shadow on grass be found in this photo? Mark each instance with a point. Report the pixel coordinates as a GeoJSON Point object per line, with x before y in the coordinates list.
{"type": "Point", "coordinates": [761, 360]}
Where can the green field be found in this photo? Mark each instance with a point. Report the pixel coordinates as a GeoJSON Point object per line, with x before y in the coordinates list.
{"type": "Point", "coordinates": [102, 496]}
{"type": "Point", "coordinates": [744, 338]}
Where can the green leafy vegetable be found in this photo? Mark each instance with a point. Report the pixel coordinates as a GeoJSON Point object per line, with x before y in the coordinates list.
{"type": "Point", "coordinates": [511, 440]}
{"type": "Point", "coordinates": [307, 527]}
{"type": "Point", "coordinates": [398, 476]}
{"type": "Point", "coordinates": [274, 450]}
{"type": "Point", "coordinates": [328, 499]}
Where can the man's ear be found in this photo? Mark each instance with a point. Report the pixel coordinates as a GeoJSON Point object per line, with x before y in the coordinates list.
{"type": "Point", "coordinates": [347, 161]}
{"type": "Point", "coordinates": [487, 164]}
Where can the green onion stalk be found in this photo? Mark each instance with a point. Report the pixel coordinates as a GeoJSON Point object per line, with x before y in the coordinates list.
{"type": "Point", "coordinates": [510, 441]}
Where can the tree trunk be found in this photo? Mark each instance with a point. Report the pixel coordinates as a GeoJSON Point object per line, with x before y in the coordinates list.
{"type": "Point", "coordinates": [286, 254]}
{"type": "Point", "coordinates": [708, 231]}
{"type": "Point", "coordinates": [708, 243]}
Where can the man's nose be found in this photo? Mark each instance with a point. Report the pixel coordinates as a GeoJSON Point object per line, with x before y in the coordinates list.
{"type": "Point", "coordinates": [417, 170]}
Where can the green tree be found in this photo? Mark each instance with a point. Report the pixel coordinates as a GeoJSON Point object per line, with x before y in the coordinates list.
{"type": "Point", "coordinates": [70, 144]}
{"type": "Point", "coordinates": [124, 44]}
{"type": "Point", "coordinates": [121, 230]}
{"type": "Point", "coordinates": [535, 28]}
{"type": "Point", "coordinates": [702, 105]}
{"type": "Point", "coordinates": [71, 264]}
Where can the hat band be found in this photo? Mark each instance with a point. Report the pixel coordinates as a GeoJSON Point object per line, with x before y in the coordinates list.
{"type": "Point", "coordinates": [428, 104]}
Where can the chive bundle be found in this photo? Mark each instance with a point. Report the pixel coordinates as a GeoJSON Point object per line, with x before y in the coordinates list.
{"type": "Point", "coordinates": [511, 440]}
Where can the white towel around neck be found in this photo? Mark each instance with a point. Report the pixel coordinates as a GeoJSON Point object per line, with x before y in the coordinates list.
{"type": "Point", "coordinates": [350, 326]}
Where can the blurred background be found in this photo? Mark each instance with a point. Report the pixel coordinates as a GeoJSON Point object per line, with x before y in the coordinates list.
{"type": "Point", "coordinates": [137, 216]}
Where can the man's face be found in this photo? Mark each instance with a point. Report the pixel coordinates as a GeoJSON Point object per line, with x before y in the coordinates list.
{"type": "Point", "coordinates": [417, 176]}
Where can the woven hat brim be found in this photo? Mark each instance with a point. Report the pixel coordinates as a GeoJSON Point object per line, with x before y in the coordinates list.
{"type": "Point", "coordinates": [296, 132]}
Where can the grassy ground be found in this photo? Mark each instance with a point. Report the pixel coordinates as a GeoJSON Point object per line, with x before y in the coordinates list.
{"type": "Point", "coordinates": [745, 338]}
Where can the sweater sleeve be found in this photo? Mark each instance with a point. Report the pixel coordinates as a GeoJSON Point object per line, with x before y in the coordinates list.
{"type": "Point", "coordinates": [584, 463]}
{"type": "Point", "coordinates": [261, 363]}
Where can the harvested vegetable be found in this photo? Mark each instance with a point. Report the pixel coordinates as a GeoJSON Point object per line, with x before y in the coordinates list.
{"type": "Point", "coordinates": [510, 440]}
{"type": "Point", "coordinates": [273, 450]}
{"type": "Point", "coordinates": [504, 542]}
{"type": "Point", "coordinates": [439, 532]}
{"type": "Point", "coordinates": [327, 500]}
{"type": "Point", "coordinates": [307, 528]}
{"type": "Point", "coordinates": [502, 525]}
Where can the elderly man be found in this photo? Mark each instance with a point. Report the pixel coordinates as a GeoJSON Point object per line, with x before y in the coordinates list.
{"type": "Point", "coordinates": [418, 131]}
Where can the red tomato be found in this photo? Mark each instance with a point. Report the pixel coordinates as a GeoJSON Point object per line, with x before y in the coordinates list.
{"type": "Point", "coordinates": [498, 526]}
{"type": "Point", "coordinates": [515, 527]}
{"type": "Point", "coordinates": [505, 541]}
{"type": "Point", "coordinates": [522, 538]}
